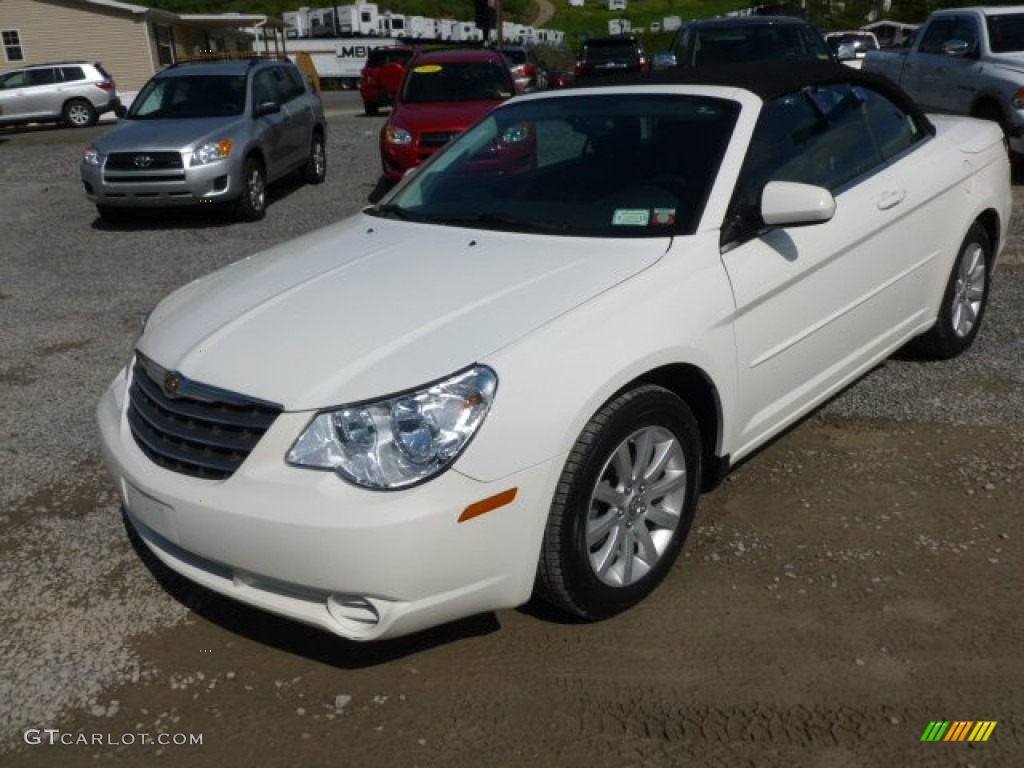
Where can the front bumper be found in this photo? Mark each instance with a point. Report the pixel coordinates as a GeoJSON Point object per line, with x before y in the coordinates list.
{"type": "Point", "coordinates": [216, 182]}
{"type": "Point", "coordinates": [306, 545]}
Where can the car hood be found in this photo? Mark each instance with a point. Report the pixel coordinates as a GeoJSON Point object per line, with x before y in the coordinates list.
{"type": "Point", "coordinates": [1013, 62]}
{"type": "Point", "coordinates": [139, 135]}
{"type": "Point", "coordinates": [369, 307]}
{"type": "Point", "coordinates": [442, 116]}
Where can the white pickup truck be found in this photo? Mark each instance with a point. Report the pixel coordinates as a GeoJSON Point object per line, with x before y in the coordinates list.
{"type": "Point", "coordinates": [965, 61]}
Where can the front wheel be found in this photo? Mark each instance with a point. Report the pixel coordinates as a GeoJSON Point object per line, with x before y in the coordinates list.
{"type": "Point", "coordinates": [964, 300]}
{"type": "Point", "coordinates": [623, 506]}
{"type": "Point", "coordinates": [252, 205]}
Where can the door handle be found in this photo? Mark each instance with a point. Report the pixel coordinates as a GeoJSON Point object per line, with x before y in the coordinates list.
{"type": "Point", "coordinates": [891, 199]}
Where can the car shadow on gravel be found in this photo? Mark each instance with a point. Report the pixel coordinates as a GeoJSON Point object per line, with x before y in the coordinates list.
{"type": "Point", "coordinates": [296, 638]}
{"type": "Point", "coordinates": [193, 216]}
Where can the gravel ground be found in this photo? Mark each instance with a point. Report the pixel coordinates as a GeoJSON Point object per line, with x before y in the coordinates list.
{"type": "Point", "coordinates": [78, 596]}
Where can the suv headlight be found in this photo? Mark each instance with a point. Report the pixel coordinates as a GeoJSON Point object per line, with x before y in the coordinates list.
{"type": "Point", "coordinates": [92, 156]}
{"type": "Point", "coordinates": [210, 152]}
{"type": "Point", "coordinates": [402, 440]}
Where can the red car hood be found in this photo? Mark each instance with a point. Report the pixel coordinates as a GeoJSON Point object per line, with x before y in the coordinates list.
{"type": "Point", "coordinates": [441, 115]}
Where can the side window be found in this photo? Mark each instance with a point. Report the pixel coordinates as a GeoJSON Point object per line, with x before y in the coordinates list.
{"type": "Point", "coordinates": [263, 87]}
{"type": "Point", "coordinates": [42, 76]}
{"type": "Point", "coordinates": [936, 34]}
{"type": "Point", "coordinates": [12, 80]}
{"type": "Point", "coordinates": [295, 85]}
{"type": "Point", "coordinates": [818, 136]}
{"type": "Point", "coordinates": [965, 29]}
{"type": "Point", "coordinates": [893, 129]}
{"type": "Point", "coordinates": [70, 74]}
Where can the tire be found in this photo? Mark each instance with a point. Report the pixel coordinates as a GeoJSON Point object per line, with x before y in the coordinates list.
{"type": "Point", "coordinates": [599, 514]}
{"type": "Point", "coordinates": [964, 300]}
{"type": "Point", "coordinates": [315, 170]}
{"type": "Point", "coordinates": [252, 205]}
{"type": "Point", "coordinates": [79, 113]}
{"type": "Point", "coordinates": [371, 108]}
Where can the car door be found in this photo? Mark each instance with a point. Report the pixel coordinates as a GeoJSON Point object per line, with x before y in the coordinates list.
{"type": "Point", "coordinates": [272, 127]}
{"type": "Point", "coordinates": [815, 304]}
{"type": "Point", "coordinates": [939, 81]}
{"type": "Point", "coordinates": [300, 114]}
{"type": "Point", "coordinates": [23, 95]}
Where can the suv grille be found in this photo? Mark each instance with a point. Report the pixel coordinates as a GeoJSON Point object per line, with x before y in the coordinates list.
{"type": "Point", "coordinates": [144, 161]}
{"type": "Point", "coordinates": [195, 429]}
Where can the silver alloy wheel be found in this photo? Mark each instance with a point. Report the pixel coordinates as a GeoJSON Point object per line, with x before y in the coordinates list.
{"type": "Point", "coordinates": [636, 506]}
{"type": "Point", "coordinates": [319, 158]}
{"type": "Point", "coordinates": [256, 189]}
{"type": "Point", "coordinates": [79, 115]}
{"type": "Point", "coordinates": [969, 291]}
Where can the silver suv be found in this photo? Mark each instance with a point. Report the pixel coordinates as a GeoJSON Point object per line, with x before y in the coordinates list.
{"type": "Point", "coordinates": [209, 132]}
{"type": "Point", "coordinates": [73, 93]}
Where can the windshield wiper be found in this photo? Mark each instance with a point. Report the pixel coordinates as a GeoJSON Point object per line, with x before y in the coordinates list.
{"type": "Point", "coordinates": [394, 211]}
{"type": "Point", "coordinates": [500, 221]}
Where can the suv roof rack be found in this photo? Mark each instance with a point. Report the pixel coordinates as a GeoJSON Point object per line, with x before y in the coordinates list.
{"type": "Point", "coordinates": [253, 57]}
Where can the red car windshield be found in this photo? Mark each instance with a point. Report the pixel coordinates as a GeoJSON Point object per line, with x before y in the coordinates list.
{"type": "Point", "coordinates": [457, 81]}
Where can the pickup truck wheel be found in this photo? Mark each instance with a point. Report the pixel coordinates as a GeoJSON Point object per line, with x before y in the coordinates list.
{"type": "Point", "coordinates": [964, 300]}
{"type": "Point", "coordinates": [252, 205]}
{"type": "Point", "coordinates": [79, 113]}
{"type": "Point", "coordinates": [371, 108]}
{"type": "Point", "coordinates": [623, 505]}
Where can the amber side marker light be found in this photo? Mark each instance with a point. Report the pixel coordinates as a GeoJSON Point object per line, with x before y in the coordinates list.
{"type": "Point", "coordinates": [488, 505]}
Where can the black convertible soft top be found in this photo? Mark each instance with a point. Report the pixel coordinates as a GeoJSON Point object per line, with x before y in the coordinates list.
{"type": "Point", "coordinates": [770, 79]}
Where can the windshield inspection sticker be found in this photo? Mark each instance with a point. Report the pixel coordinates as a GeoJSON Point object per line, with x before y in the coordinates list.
{"type": "Point", "coordinates": [631, 217]}
{"type": "Point", "coordinates": [664, 216]}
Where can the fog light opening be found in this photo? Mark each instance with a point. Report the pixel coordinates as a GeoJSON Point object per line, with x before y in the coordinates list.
{"type": "Point", "coordinates": [354, 613]}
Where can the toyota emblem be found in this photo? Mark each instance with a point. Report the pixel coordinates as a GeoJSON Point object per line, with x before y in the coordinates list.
{"type": "Point", "coordinates": [143, 161]}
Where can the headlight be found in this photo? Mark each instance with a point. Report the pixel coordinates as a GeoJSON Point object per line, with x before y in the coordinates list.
{"type": "Point", "coordinates": [92, 156]}
{"type": "Point", "coordinates": [211, 151]}
{"type": "Point", "coordinates": [403, 440]}
{"type": "Point", "coordinates": [395, 135]}
{"type": "Point", "coordinates": [1018, 99]}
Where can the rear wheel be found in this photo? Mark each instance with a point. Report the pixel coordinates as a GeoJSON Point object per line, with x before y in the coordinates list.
{"type": "Point", "coordinates": [964, 300]}
{"type": "Point", "coordinates": [79, 113]}
{"type": "Point", "coordinates": [624, 505]}
{"type": "Point", "coordinates": [252, 205]}
{"type": "Point", "coordinates": [315, 170]}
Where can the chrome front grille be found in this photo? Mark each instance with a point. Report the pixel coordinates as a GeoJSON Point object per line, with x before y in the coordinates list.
{"type": "Point", "coordinates": [192, 428]}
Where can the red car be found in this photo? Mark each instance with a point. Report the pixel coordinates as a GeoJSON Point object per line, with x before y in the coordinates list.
{"type": "Point", "coordinates": [442, 94]}
{"type": "Point", "coordinates": [372, 87]}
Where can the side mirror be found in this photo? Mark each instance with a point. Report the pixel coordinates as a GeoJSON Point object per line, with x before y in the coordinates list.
{"type": "Point", "coordinates": [791, 204]}
{"type": "Point", "coordinates": [957, 48]}
{"type": "Point", "coordinates": [267, 108]}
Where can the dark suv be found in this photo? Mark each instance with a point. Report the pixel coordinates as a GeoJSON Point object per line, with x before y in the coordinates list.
{"type": "Point", "coordinates": [73, 93]}
{"type": "Point", "coordinates": [739, 39]}
{"type": "Point", "coordinates": [209, 132]}
{"type": "Point", "coordinates": [371, 86]}
{"type": "Point", "coordinates": [615, 55]}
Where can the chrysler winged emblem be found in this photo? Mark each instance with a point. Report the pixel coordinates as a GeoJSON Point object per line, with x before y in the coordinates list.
{"type": "Point", "coordinates": [171, 383]}
{"type": "Point", "coordinates": [143, 161]}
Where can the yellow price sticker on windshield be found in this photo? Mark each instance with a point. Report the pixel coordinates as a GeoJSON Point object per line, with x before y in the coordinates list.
{"type": "Point", "coordinates": [425, 69]}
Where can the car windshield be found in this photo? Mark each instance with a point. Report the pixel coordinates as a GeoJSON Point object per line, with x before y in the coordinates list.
{"type": "Point", "coordinates": [190, 96]}
{"type": "Point", "coordinates": [1006, 32]}
{"type": "Point", "coordinates": [629, 165]}
{"type": "Point", "coordinates": [456, 81]}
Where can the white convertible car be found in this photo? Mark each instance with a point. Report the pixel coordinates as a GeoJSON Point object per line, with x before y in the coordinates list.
{"type": "Point", "coordinates": [514, 375]}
